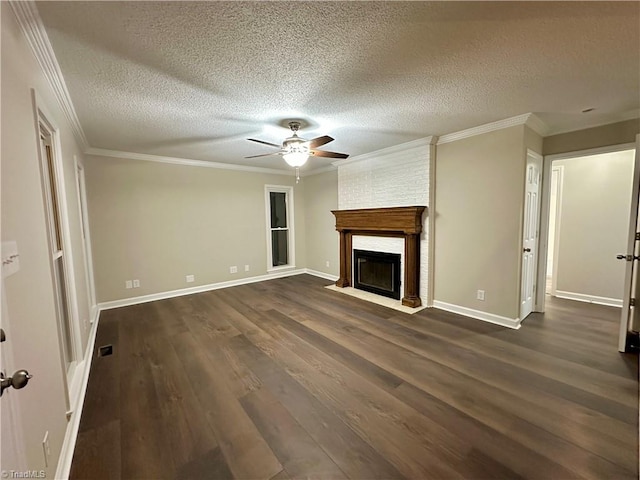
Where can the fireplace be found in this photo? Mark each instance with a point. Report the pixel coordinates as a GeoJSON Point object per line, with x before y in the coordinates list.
{"type": "Point", "coordinates": [404, 222]}
{"type": "Point", "coordinates": [377, 272]}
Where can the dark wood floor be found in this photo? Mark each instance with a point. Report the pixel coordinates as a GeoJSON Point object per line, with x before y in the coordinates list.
{"type": "Point", "coordinates": [286, 379]}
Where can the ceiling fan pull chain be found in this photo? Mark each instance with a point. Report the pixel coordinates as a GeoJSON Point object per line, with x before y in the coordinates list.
{"type": "Point", "coordinates": [297, 175]}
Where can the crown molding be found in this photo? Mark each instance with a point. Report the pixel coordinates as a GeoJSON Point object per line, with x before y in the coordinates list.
{"type": "Point", "coordinates": [33, 29]}
{"type": "Point", "coordinates": [529, 119]}
{"type": "Point", "coordinates": [401, 148]}
{"type": "Point", "coordinates": [616, 118]}
{"type": "Point", "coordinates": [537, 125]}
{"type": "Point", "coordinates": [101, 152]}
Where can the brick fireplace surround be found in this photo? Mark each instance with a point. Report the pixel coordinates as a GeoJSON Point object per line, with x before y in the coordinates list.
{"type": "Point", "coordinates": [405, 222]}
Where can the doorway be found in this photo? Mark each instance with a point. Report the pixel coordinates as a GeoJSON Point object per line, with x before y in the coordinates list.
{"type": "Point", "coordinates": [587, 204]}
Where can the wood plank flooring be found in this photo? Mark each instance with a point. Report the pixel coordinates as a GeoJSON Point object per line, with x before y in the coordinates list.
{"type": "Point", "coordinates": [286, 379]}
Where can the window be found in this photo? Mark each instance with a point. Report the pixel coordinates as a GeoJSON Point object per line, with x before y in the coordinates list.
{"type": "Point", "coordinates": [280, 235]}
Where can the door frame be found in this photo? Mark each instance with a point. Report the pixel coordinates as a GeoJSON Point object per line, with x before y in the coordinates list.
{"type": "Point", "coordinates": [83, 215]}
{"type": "Point", "coordinates": [558, 222]}
{"type": "Point", "coordinates": [631, 272]}
{"type": "Point", "coordinates": [544, 208]}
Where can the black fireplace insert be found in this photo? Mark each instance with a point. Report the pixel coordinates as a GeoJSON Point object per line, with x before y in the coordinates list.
{"type": "Point", "coordinates": [377, 272]}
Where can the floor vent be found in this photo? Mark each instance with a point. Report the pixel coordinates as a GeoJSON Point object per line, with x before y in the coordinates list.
{"type": "Point", "coordinates": [105, 350]}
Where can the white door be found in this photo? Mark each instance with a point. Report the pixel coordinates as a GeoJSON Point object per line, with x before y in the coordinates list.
{"type": "Point", "coordinates": [530, 233]}
{"type": "Point", "coordinates": [12, 445]}
{"type": "Point", "coordinates": [630, 318]}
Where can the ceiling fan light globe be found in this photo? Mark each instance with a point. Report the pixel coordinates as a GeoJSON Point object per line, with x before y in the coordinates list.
{"type": "Point", "coordinates": [296, 159]}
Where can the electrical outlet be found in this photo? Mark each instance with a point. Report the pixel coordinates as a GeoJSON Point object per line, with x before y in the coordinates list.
{"type": "Point", "coordinates": [246, 268]}
{"type": "Point", "coordinates": [233, 269]}
{"type": "Point", "coordinates": [128, 284]}
{"type": "Point", "coordinates": [480, 295]}
{"type": "Point", "coordinates": [190, 278]}
{"type": "Point", "coordinates": [327, 263]}
{"type": "Point", "coordinates": [46, 448]}
{"type": "Point", "coordinates": [136, 283]}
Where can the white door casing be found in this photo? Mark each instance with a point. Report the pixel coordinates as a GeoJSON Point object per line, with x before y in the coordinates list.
{"type": "Point", "coordinates": [554, 244]}
{"type": "Point", "coordinates": [531, 221]}
{"type": "Point", "coordinates": [630, 316]}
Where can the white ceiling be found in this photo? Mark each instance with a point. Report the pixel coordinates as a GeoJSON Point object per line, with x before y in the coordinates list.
{"type": "Point", "coordinates": [196, 79]}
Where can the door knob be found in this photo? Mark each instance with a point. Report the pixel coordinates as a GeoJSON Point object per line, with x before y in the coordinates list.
{"type": "Point", "coordinates": [18, 380]}
{"type": "Point", "coordinates": [527, 250]}
{"type": "Point", "coordinates": [628, 258]}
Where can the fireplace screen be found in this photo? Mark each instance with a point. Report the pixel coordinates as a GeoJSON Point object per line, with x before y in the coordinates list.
{"type": "Point", "coordinates": [377, 272]}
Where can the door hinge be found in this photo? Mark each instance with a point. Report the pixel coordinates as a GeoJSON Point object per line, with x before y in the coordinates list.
{"type": "Point", "coordinates": [637, 236]}
{"type": "Point", "coordinates": [632, 302]}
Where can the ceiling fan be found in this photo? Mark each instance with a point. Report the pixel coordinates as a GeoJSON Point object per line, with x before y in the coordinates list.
{"type": "Point", "coordinates": [296, 150]}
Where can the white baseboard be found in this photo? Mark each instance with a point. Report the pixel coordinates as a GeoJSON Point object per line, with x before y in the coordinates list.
{"type": "Point", "coordinates": [513, 323]}
{"type": "Point", "coordinates": [326, 276]}
{"type": "Point", "coordinates": [202, 288]}
{"type": "Point", "coordinates": [580, 297]}
{"type": "Point", "coordinates": [77, 402]}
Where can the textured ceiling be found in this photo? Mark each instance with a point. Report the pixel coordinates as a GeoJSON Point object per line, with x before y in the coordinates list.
{"type": "Point", "coordinates": [195, 79]}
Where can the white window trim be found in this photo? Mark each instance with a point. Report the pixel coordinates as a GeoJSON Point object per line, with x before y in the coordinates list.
{"type": "Point", "coordinates": [42, 121]}
{"type": "Point", "coordinates": [290, 225]}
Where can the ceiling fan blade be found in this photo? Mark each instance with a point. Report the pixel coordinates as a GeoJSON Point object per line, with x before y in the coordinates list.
{"type": "Point", "coordinates": [265, 155]}
{"type": "Point", "coordinates": [322, 153]}
{"type": "Point", "coordinates": [319, 141]}
{"type": "Point", "coordinates": [263, 142]}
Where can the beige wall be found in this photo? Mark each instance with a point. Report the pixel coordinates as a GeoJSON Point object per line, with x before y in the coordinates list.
{"type": "Point", "coordinates": [323, 241]}
{"type": "Point", "coordinates": [479, 201]}
{"type": "Point", "coordinates": [158, 222]}
{"type": "Point", "coordinates": [593, 224]}
{"type": "Point", "coordinates": [606, 135]}
{"type": "Point", "coordinates": [31, 323]}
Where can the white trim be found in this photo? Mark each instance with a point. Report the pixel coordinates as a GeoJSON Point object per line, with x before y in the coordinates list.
{"type": "Point", "coordinates": [537, 125]}
{"type": "Point", "coordinates": [83, 214]}
{"type": "Point", "coordinates": [591, 151]}
{"type": "Point", "coordinates": [42, 120]}
{"type": "Point", "coordinates": [557, 225]}
{"type": "Point", "coordinates": [581, 297]}
{"type": "Point", "coordinates": [401, 148]}
{"type": "Point", "coordinates": [528, 119]}
{"type": "Point", "coordinates": [430, 217]}
{"type": "Point", "coordinates": [619, 117]}
{"type": "Point", "coordinates": [71, 434]}
{"type": "Point", "coordinates": [101, 152]}
{"type": "Point", "coordinates": [326, 276]}
{"type": "Point", "coordinates": [33, 29]}
{"type": "Point", "coordinates": [514, 323]}
{"type": "Point", "coordinates": [202, 288]}
{"type": "Point", "coordinates": [291, 232]}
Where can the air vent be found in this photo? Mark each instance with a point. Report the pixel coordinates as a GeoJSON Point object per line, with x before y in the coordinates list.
{"type": "Point", "coordinates": [105, 350]}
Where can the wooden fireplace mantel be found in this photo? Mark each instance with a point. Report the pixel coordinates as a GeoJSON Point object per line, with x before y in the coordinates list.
{"type": "Point", "coordinates": [403, 222]}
